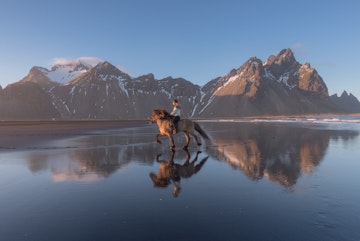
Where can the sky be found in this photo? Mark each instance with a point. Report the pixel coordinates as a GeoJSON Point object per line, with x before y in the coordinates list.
{"type": "Point", "coordinates": [198, 40]}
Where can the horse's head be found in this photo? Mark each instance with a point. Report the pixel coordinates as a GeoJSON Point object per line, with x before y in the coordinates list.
{"type": "Point", "coordinates": [158, 114]}
{"type": "Point", "coordinates": [159, 182]}
{"type": "Point", "coordinates": [154, 116]}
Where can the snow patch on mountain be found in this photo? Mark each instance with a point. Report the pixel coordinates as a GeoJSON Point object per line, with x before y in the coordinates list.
{"type": "Point", "coordinates": [87, 61]}
{"type": "Point", "coordinates": [122, 86]}
{"type": "Point", "coordinates": [65, 70]}
{"type": "Point", "coordinates": [283, 79]}
{"type": "Point", "coordinates": [231, 80]}
{"type": "Point", "coordinates": [64, 74]}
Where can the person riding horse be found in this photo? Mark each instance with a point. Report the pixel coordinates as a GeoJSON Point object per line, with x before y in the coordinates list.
{"type": "Point", "coordinates": [166, 126]}
{"type": "Point", "coordinates": [175, 115]}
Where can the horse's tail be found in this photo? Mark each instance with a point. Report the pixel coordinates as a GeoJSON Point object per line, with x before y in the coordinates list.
{"type": "Point", "coordinates": [198, 129]}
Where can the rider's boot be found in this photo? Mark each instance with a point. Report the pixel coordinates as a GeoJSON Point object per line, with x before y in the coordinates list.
{"type": "Point", "coordinates": [174, 130]}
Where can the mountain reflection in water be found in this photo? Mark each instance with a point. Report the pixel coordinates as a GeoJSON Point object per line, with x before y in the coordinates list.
{"type": "Point", "coordinates": [279, 152]}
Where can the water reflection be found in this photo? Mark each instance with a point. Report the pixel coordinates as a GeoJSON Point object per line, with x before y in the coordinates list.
{"type": "Point", "coordinates": [279, 152]}
{"type": "Point", "coordinates": [172, 172]}
{"type": "Point", "coordinates": [282, 153]}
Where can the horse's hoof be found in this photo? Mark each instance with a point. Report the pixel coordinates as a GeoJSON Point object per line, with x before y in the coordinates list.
{"type": "Point", "coordinates": [172, 148]}
{"type": "Point", "coordinates": [199, 144]}
{"type": "Point", "coordinates": [158, 142]}
{"type": "Point", "coordinates": [185, 147]}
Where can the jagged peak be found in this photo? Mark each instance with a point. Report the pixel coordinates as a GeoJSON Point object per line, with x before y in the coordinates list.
{"type": "Point", "coordinates": [36, 69]}
{"type": "Point", "coordinates": [248, 65]}
{"type": "Point", "coordinates": [149, 76]}
{"type": "Point", "coordinates": [344, 93]}
{"type": "Point", "coordinates": [167, 78]}
{"type": "Point", "coordinates": [286, 52]}
{"type": "Point", "coordinates": [307, 68]}
{"type": "Point", "coordinates": [306, 65]}
{"type": "Point", "coordinates": [107, 67]}
{"type": "Point", "coordinates": [270, 60]}
{"type": "Point", "coordinates": [171, 80]}
{"type": "Point", "coordinates": [104, 64]}
{"type": "Point", "coordinates": [284, 57]}
{"type": "Point", "coordinates": [254, 59]}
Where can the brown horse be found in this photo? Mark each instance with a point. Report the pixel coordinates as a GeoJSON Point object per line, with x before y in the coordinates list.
{"type": "Point", "coordinates": [165, 124]}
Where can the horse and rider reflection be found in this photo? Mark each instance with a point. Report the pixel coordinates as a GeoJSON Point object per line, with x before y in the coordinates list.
{"type": "Point", "coordinates": [171, 172]}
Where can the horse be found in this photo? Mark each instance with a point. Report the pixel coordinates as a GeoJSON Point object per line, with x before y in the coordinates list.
{"type": "Point", "coordinates": [166, 126]}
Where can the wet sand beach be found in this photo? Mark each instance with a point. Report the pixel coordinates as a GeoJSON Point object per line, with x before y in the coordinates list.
{"type": "Point", "coordinates": [274, 179]}
{"type": "Point", "coordinates": [26, 134]}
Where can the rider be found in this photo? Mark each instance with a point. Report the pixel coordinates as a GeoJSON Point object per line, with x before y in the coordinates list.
{"type": "Point", "coordinates": [175, 114]}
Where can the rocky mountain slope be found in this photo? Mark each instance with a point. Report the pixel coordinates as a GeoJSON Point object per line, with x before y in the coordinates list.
{"type": "Point", "coordinates": [26, 101]}
{"type": "Point", "coordinates": [278, 86]}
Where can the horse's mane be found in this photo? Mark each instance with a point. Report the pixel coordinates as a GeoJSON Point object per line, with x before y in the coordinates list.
{"type": "Point", "coordinates": [162, 113]}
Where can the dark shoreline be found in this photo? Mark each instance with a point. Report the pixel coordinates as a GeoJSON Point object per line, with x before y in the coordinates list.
{"type": "Point", "coordinates": [16, 135]}
{"type": "Point", "coordinates": [22, 134]}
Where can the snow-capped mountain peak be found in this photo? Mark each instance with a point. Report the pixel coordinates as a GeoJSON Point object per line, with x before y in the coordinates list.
{"type": "Point", "coordinates": [65, 70]}
{"type": "Point", "coordinates": [100, 90]}
{"type": "Point", "coordinates": [87, 62]}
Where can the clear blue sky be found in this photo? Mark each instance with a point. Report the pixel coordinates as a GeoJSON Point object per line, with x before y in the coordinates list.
{"type": "Point", "coordinates": [194, 39]}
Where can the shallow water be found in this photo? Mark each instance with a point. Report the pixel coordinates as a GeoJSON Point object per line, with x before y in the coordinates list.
{"type": "Point", "coordinates": [259, 180]}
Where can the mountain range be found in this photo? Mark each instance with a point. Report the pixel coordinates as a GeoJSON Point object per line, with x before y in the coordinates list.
{"type": "Point", "coordinates": [80, 90]}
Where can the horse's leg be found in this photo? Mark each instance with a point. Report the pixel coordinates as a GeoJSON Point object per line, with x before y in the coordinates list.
{"type": "Point", "coordinates": [187, 140]}
{"type": "Point", "coordinates": [196, 138]}
{"type": "Point", "coordinates": [186, 163]}
{"type": "Point", "coordinates": [196, 156]}
{"type": "Point", "coordinates": [157, 138]}
{"type": "Point", "coordinates": [171, 139]}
